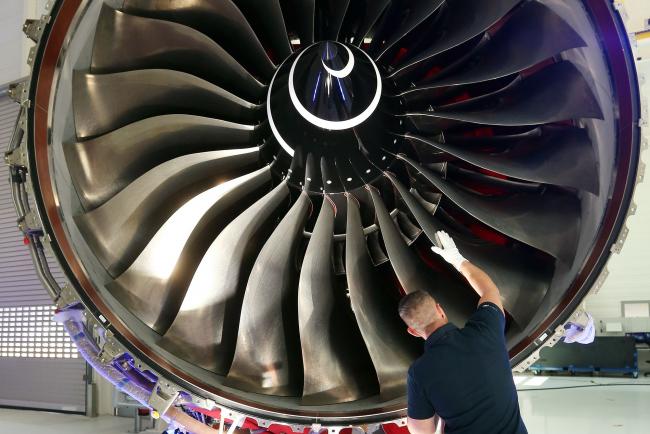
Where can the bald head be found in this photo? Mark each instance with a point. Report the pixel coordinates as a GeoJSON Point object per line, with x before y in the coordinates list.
{"type": "Point", "coordinates": [419, 310]}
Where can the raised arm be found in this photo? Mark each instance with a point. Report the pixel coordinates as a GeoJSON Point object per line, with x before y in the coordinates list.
{"type": "Point", "coordinates": [477, 278]}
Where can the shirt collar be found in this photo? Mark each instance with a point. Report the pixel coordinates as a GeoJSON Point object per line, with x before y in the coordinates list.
{"type": "Point", "coordinates": [439, 334]}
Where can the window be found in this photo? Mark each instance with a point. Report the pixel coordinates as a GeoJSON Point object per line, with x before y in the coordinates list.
{"type": "Point", "coordinates": [635, 309]}
{"type": "Point", "coordinates": [30, 332]}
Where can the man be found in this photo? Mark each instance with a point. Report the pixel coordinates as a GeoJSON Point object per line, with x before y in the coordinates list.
{"type": "Point", "coordinates": [464, 375]}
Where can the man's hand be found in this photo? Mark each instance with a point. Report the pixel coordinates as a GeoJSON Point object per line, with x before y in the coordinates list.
{"type": "Point", "coordinates": [449, 251]}
{"type": "Point", "coordinates": [477, 278]}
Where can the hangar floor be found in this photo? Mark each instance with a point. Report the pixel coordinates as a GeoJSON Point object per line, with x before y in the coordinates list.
{"type": "Point", "coordinates": [559, 404]}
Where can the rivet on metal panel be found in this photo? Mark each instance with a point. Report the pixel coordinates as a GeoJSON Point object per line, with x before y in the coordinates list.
{"type": "Point", "coordinates": [632, 209]}
{"type": "Point", "coordinates": [641, 172]}
{"type": "Point", "coordinates": [600, 281]}
{"type": "Point", "coordinates": [618, 245]}
{"type": "Point", "coordinates": [31, 56]}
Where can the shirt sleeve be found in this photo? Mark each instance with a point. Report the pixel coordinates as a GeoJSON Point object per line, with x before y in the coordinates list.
{"type": "Point", "coordinates": [419, 406]}
{"type": "Point", "coordinates": [488, 320]}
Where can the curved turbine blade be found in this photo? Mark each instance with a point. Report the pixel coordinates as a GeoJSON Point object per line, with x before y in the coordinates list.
{"type": "Point", "coordinates": [302, 14]}
{"type": "Point", "coordinates": [401, 18]}
{"type": "Point", "coordinates": [155, 284]}
{"type": "Point", "coordinates": [465, 19]}
{"type": "Point", "coordinates": [118, 230]}
{"type": "Point", "coordinates": [205, 329]}
{"type": "Point", "coordinates": [329, 18]}
{"type": "Point", "coordinates": [98, 108]}
{"type": "Point", "coordinates": [391, 349]}
{"type": "Point", "coordinates": [267, 355]}
{"type": "Point", "coordinates": [549, 221]}
{"type": "Point", "coordinates": [521, 277]}
{"type": "Point", "coordinates": [103, 166]}
{"type": "Point", "coordinates": [563, 156]}
{"type": "Point", "coordinates": [219, 19]}
{"type": "Point", "coordinates": [183, 49]}
{"type": "Point", "coordinates": [533, 34]}
{"type": "Point", "coordinates": [459, 302]}
{"type": "Point", "coordinates": [333, 370]}
{"type": "Point", "coordinates": [557, 93]}
{"type": "Point", "coordinates": [266, 18]}
{"type": "Point", "coordinates": [362, 16]}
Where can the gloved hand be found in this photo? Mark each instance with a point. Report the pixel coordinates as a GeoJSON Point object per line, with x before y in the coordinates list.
{"type": "Point", "coordinates": [449, 251]}
{"type": "Point", "coordinates": [579, 331]}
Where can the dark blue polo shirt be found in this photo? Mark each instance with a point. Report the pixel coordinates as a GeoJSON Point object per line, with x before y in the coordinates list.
{"type": "Point", "coordinates": [464, 376]}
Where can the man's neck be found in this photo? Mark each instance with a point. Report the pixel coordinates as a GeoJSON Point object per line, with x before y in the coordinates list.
{"type": "Point", "coordinates": [434, 326]}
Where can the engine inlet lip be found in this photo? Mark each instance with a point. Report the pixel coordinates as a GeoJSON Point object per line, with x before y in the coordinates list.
{"type": "Point", "coordinates": [51, 49]}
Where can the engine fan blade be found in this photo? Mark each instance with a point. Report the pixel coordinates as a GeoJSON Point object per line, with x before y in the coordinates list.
{"type": "Point", "coordinates": [98, 109]}
{"type": "Point", "coordinates": [301, 14]}
{"type": "Point", "coordinates": [333, 368]}
{"type": "Point", "coordinates": [521, 277]}
{"type": "Point", "coordinates": [523, 216]}
{"type": "Point", "coordinates": [167, 45]}
{"type": "Point", "coordinates": [533, 34]}
{"type": "Point", "coordinates": [221, 20]}
{"type": "Point", "coordinates": [267, 356]}
{"type": "Point", "coordinates": [391, 349]}
{"type": "Point", "coordinates": [465, 20]}
{"type": "Point", "coordinates": [362, 16]}
{"type": "Point", "coordinates": [564, 156]}
{"type": "Point", "coordinates": [401, 18]}
{"type": "Point", "coordinates": [205, 329]}
{"type": "Point", "coordinates": [459, 303]}
{"type": "Point", "coordinates": [118, 230]}
{"type": "Point", "coordinates": [140, 146]}
{"type": "Point", "coordinates": [329, 18]}
{"type": "Point", "coordinates": [154, 286]}
{"type": "Point", "coordinates": [266, 18]}
{"type": "Point", "coordinates": [559, 92]}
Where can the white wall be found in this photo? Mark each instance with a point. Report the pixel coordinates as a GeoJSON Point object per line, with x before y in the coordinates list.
{"type": "Point", "coordinates": [638, 13]}
{"type": "Point", "coordinates": [14, 45]}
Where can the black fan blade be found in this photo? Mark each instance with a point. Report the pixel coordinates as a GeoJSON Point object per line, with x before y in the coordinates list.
{"type": "Point", "coordinates": [563, 156]}
{"type": "Point", "coordinates": [559, 92]}
{"type": "Point", "coordinates": [465, 20]}
{"type": "Point", "coordinates": [118, 230]}
{"type": "Point", "coordinates": [533, 34]}
{"type": "Point", "coordinates": [549, 221]}
{"type": "Point", "coordinates": [103, 166]}
{"type": "Point", "coordinates": [98, 109]}
{"type": "Point", "coordinates": [267, 356]}
{"type": "Point", "coordinates": [333, 370]}
{"type": "Point", "coordinates": [205, 329]}
{"type": "Point", "coordinates": [329, 18]}
{"type": "Point", "coordinates": [391, 349]}
{"type": "Point", "coordinates": [301, 14]}
{"type": "Point", "coordinates": [266, 18]}
{"type": "Point", "coordinates": [401, 18]}
{"type": "Point", "coordinates": [520, 276]}
{"type": "Point", "coordinates": [147, 280]}
{"type": "Point", "coordinates": [362, 16]}
{"type": "Point", "coordinates": [167, 45]}
{"type": "Point", "coordinates": [458, 302]}
{"type": "Point", "coordinates": [219, 19]}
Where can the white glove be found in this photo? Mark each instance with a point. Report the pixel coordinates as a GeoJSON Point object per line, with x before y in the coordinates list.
{"type": "Point", "coordinates": [449, 251]}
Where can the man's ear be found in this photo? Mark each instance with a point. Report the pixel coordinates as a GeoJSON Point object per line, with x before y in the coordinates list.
{"type": "Point", "coordinates": [413, 332]}
{"type": "Point", "coordinates": [441, 311]}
